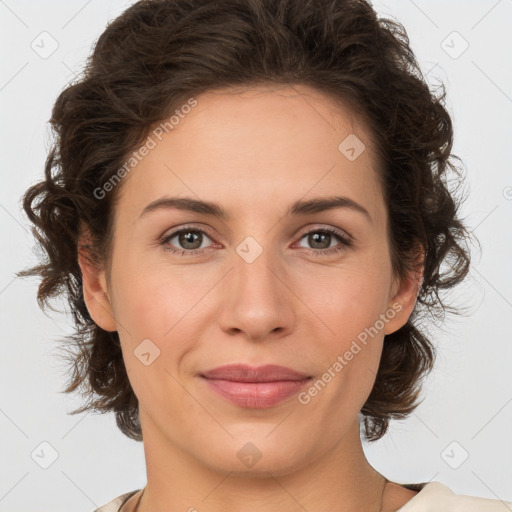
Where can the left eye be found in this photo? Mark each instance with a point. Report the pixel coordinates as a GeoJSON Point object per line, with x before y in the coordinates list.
{"type": "Point", "coordinates": [319, 237]}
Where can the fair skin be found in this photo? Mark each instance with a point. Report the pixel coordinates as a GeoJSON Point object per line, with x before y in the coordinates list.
{"type": "Point", "coordinates": [254, 153]}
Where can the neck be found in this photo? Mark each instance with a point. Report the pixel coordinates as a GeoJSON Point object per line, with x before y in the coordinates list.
{"type": "Point", "coordinates": [340, 479]}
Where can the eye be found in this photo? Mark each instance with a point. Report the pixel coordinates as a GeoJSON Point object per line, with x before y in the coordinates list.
{"type": "Point", "coordinates": [320, 240]}
{"type": "Point", "coordinates": [190, 239]}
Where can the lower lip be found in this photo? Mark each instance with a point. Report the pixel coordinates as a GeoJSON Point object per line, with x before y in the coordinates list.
{"type": "Point", "coordinates": [256, 395]}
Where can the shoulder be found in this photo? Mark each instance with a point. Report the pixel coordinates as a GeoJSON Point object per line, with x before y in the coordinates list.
{"type": "Point", "coordinates": [437, 497]}
{"type": "Point", "coordinates": [116, 504]}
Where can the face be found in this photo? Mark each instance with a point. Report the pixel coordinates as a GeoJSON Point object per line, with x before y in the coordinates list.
{"type": "Point", "coordinates": [307, 288]}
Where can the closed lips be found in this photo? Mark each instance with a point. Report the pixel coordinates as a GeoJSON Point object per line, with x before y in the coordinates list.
{"type": "Point", "coordinates": [248, 374]}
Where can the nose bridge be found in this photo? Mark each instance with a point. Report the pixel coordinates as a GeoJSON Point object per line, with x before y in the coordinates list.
{"type": "Point", "coordinates": [256, 265]}
{"type": "Point", "coordinates": [258, 302]}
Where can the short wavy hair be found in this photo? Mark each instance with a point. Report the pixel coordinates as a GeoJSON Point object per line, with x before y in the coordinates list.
{"type": "Point", "coordinates": [157, 54]}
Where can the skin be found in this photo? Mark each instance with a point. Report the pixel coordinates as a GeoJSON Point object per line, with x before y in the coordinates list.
{"type": "Point", "coordinates": [254, 152]}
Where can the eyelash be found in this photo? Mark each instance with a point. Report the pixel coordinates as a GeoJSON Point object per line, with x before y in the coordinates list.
{"type": "Point", "coordinates": [345, 242]}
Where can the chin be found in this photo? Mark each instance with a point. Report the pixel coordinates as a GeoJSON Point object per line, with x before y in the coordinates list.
{"type": "Point", "coordinates": [256, 458]}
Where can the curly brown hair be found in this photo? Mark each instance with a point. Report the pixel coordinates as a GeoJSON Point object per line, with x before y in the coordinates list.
{"type": "Point", "coordinates": [157, 54]}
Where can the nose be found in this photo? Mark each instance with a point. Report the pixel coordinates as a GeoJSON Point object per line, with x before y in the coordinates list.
{"type": "Point", "coordinates": [257, 301]}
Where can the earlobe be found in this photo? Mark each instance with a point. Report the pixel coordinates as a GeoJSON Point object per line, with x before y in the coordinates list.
{"type": "Point", "coordinates": [94, 287]}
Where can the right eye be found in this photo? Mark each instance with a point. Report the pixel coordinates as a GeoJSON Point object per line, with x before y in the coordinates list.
{"type": "Point", "coordinates": [188, 238]}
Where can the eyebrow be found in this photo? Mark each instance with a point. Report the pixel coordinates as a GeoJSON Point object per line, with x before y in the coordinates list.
{"type": "Point", "coordinates": [301, 207]}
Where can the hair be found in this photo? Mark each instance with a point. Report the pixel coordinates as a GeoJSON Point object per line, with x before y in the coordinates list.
{"type": "Point", "coordinates": [159, 53]}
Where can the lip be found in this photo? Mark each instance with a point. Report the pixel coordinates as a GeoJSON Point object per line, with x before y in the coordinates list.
{"type": "Point", "coordinates": [246, 373]}
{"type": "Point", "coordinates": [255, 387]}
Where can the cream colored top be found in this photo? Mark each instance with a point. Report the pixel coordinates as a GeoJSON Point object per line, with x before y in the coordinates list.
{"type": "Point", "coordinates": [436, 497]}
{"type": "Point", "coordinates": [432, 497]}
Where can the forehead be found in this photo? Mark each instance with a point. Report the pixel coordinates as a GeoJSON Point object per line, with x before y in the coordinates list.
{"type": "Point", "coordinates": [281, 116]}
{"type": "Point", "coordinates": [239, 145]}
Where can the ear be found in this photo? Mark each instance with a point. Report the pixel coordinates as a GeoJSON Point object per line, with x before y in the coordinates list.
{"type": "Point", "coordinates": [403, 295]}
{"type": "Point", "coordinates": [94, 285]}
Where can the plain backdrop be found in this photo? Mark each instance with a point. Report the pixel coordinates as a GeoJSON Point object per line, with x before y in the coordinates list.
{"type": "Point", "coordinates": [460, 435]}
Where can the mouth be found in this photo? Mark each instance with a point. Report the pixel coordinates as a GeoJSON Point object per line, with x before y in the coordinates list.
{"type": "Point", "coordinates": [246, 373]}
{"type": "Point", "coordinates": [255, 387]}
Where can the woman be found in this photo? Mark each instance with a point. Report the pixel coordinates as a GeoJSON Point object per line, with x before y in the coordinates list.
{"type": "Point", "coordinates": [247, 206]}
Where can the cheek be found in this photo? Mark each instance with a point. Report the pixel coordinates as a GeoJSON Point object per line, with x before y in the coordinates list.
{"type": "Point", "coordinates": [158, 312]}
{"type": "Point", "coordinates": [149, 300]}
{"type": "Point", "coordinates": [352, 346]}
{"type": "Point", "coordinates": [347, 300]}
{"type": "Point", "coordinates": [138, 308]}
{"type": "Point", "coordinates": [149, 315]}
{"type": "Point", "coordinates": [349, 308]}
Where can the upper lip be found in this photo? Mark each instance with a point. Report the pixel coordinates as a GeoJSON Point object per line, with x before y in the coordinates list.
{"type": "Point", "coordinates": [246, 373]}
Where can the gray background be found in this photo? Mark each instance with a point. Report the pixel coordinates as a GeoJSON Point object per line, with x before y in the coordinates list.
{"type": "Point", "coordinates": [467, 409]}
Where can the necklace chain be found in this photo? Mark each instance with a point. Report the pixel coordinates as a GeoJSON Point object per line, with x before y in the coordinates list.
{"type": "Point", "coordinates": [382, 494]}
{"type": "Point", "coordinates": [136, 509]}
